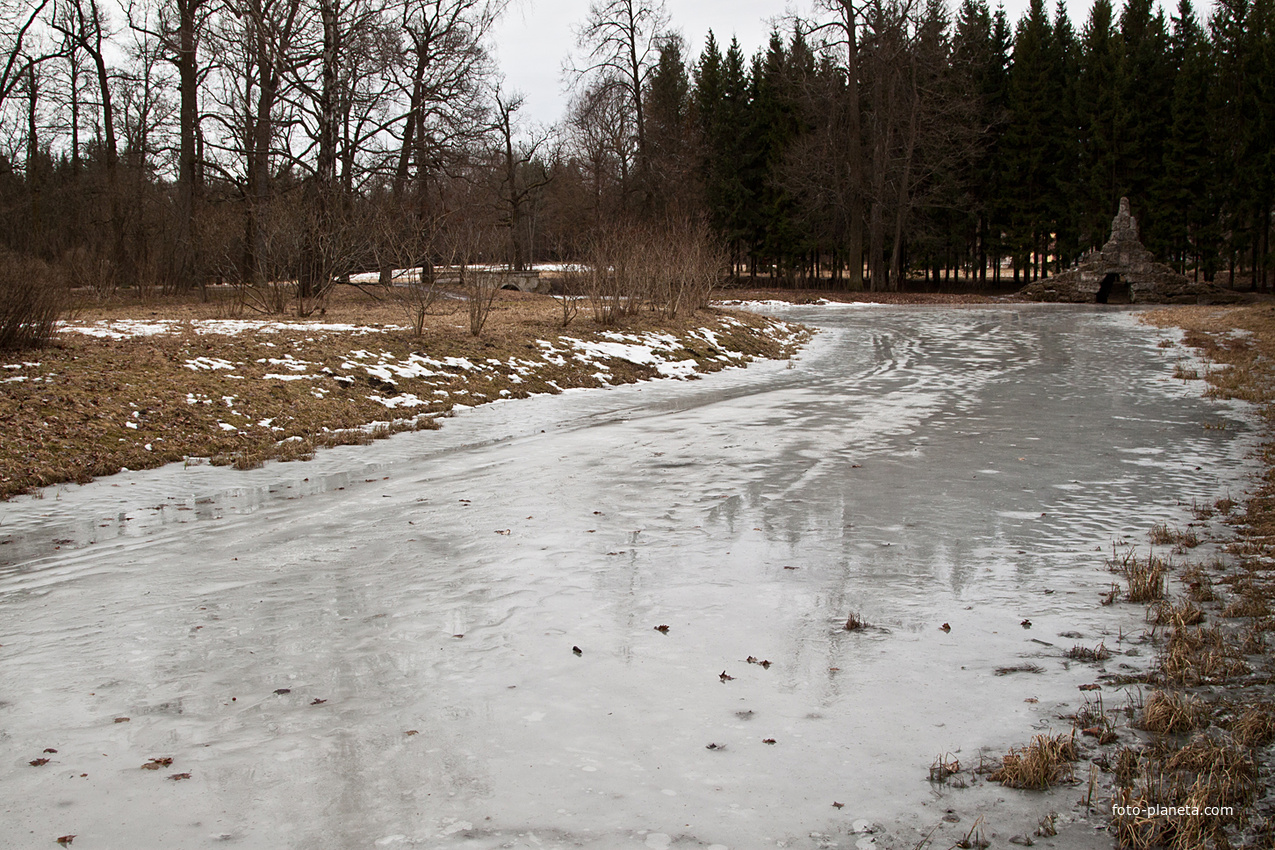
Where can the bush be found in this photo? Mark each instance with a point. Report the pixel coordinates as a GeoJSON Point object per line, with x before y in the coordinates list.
{"type": "Point", "coordinates": [672, 267]}
{"type": "Point", "coordinates": [31, 302]}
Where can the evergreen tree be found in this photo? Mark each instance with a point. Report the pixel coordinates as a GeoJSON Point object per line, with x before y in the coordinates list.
{"type": "Point", "coordinates": [1146, 90]}
{"type": "Point", "coordinates": [1030, 141]}
{"type": "Point", "coordinates": [1098, 119]}
{"type": "Point", "coordinates": [1188, 184]}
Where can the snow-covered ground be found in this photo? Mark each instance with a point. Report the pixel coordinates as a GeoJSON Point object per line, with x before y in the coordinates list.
{"type": "Point", "coordinates": [376, 649]}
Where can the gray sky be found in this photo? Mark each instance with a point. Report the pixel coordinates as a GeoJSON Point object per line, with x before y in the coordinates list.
{"type": "Point", "coordinates": [535, 37]}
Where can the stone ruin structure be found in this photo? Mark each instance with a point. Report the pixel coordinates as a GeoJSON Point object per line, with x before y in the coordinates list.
{"type": "Point", "coordinates": [1124, 270]}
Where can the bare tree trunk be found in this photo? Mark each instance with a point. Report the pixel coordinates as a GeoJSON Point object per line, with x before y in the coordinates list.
{"type": "Point", "coordinates": [903, 204]}
{"type": "Point", "coordinates": [188, 73]}
{"type": "Point", "coordinates": [855, 163]}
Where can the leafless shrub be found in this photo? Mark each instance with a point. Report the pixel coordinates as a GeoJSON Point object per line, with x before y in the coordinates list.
{"type": "Point", "coordinates": [31, 302]}
{"type": "Point", "coordinates": [567, 293]}
{"type": "Point", "coordinates": [672, 267]}
{"type": "Point", "coordinates": [90, 270]}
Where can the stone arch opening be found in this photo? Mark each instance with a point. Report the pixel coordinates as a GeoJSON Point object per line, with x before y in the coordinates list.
{"type": "Point", "coordinates": [1114, 289]}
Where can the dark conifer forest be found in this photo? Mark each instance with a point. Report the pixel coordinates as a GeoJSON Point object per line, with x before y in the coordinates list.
{"type": "Point", "coordinates": [874, 144]}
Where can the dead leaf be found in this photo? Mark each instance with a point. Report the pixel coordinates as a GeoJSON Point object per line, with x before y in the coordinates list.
{"type": "Point", "coordinates": [726, 678]}
{"type": "Point", "coordinates": [411, 732]}
{"type": "Point", "coordinates": [318, 701]}
{"type": "Point", "coordinates": [122, 719]}
{"type": "Point", "coordinates": [65, 840]}
{"type": "Point", "coordinates": [1091, 687]}
{"type": "Point", "coordinates": [38, 762]}
{"type": "Point", "coordinates": [157, 763]}
{"type": "Point", "coordinates": [768, 740]}
{"type": "Point", "coordinates": [715, 747]}
{"type": "Point", "coordinates": [945, 627]}
{"type": "Point", "coordinates": [282, 691]}
{"type": "Point", "coordinates": [837, 805]}
{"type": "Point", "coordinates": [176, 777]}
{"type": "Point", "coordinates": [49, 750]}
{"type": "Point", "coordinates": [662, 629]}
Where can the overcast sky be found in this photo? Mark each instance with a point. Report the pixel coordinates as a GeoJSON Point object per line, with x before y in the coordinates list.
{"type": "Point", "coordinates": [535, 37]}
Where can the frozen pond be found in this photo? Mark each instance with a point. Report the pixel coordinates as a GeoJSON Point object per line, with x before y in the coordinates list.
{"type": "Point", "coordinates": [375, 649]}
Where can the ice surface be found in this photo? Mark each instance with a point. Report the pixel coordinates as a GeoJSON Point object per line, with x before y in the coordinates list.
{"type": "Point", "coordinates": [375, 648]}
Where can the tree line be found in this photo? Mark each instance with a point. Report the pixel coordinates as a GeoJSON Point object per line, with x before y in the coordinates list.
{"type": "Point", "coordinates": [177, 143]}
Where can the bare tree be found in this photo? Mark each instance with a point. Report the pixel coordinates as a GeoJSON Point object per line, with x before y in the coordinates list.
{"type": "Point", "coordinates": [601, 138]}
{"type": "Point", "coordinates": [18, 21]}
{"type": "Point", "coordinates": [843, 37]}
{"type": "Point", "coordinates": [254, 40]}
{"type": "Point", "coordinates": [179, 28]}
{"type": "Point", "coordinates": [440, 74]}
{"type": "Point", "coordinates": [519, 178]}
{"type": "Point", "coordinates": [623, 39]}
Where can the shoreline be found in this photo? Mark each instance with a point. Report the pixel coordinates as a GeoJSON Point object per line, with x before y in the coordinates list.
{"type": "Point", "coordinates": [116, 392]}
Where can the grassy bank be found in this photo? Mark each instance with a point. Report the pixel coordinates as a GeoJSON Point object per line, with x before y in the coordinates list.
{"type": "Point", "coordinates": [134, 386]}
{"type": "Point", "coordinates": [1208, 712]}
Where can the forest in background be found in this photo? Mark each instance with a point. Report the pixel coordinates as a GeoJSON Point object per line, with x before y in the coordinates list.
{"type": "Point", "coordinates": [171, 144]}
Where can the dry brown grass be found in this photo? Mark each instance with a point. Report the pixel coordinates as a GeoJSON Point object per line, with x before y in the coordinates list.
{"type": "Point", "coordinates": [1045, 762]}
{"type": "Point", "coordinates": [92, 406]}
{"type": "Point", "coordinates": [1255, 726]}
{"type": "Point", "coordinates": [1239, 346]}
{"type": "Point", "coordinates": [1144, 577]}
{"type": "Point", "coordinates": [1171, 712]}
{"type": "Point", "coordinates": [1085, 653]}
{"type": "Point", "coordinates": [1252, 603]}
{"type": "Point", "coordinates": [1201, 655]}
{"type": "Point", "coordinates": [1177, 615]}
